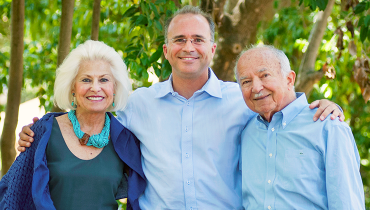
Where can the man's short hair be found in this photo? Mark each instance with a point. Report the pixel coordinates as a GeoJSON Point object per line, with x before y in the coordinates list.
{"type": "Point", "coordinates": [280, 55]}
{"type": "Point", "coordinates": [191, 10]}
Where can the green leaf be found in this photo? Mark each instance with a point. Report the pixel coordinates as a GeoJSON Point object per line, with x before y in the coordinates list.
{"type": "Point", "coordinates": [166, 69]}
{"type": "Point", "coordinates": [322, 4]}
{"type": "Point", "coordinates": [157, 70]}
{"type": "Point", "coordinates": [312, 5]}
{"type": "Point", "coordinates": [361, 21]}
{"type": "Point", "coordinates": [360, 7]}
{"type": "Point", "coordinates": [132, 49]}
{"type": "Point", "coordinates": [160, 2]}
{"type": "Point", "coordinates": [154, 9]}
{"type": "Point", "coordinates": [141, 20]}
{"type": "Point", "coordinates": [131, 11]}
{"type": "Point", "coordinates": [155, 56]}
{"type": "Point", "coordinates": [363, 33]}
{"type": "Point", "coordinates": [158, 25]}
{"type": "Point", "coordinates": [367, 21]}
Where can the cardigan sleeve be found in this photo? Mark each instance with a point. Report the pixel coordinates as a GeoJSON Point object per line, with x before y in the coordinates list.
{"type": "Point", "coordinates": [15, 186]}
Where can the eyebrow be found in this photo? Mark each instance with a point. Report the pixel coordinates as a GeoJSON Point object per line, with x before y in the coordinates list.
{"type": "Point", "coordinates": [262, 70]}
{"type": "Point", "coordinates": [259, 71]}
{"type": "Point", "coordinates": [88, 75]}
{"type": "Point", "coordinates": [193, 36]}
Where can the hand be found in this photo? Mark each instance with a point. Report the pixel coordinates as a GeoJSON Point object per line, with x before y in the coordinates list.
{"type": "Point", "coordinates": [325, 107]}
{"type": "Point", "coordinates": [25, 136]}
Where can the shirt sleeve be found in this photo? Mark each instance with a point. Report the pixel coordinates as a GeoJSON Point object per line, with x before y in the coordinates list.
{"type": "Point", "coordinates": [343, 180]}
{"type": "Point", "coordinates": [124, 116]}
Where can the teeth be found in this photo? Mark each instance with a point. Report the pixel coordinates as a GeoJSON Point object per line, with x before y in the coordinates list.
{"type": "Point", "coordinates": [94, 98]}
{"type": "Point", "coordinates": [257, 95]}
{"type": "Point", "coordinates": [187, 59]}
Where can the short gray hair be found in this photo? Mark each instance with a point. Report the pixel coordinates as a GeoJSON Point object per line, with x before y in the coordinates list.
{"type": "Point", "coordinates": [188, 9]}
{"type": "Point", "coordinates": [91, 51]}
{"type": "Point", "coordinates": [280, 55]}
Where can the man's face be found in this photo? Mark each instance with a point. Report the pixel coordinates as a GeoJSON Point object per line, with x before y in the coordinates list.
{"type": "Point", "coordinates": [189, 60]}
{"type": "Point", "coordinates": [265, 89]}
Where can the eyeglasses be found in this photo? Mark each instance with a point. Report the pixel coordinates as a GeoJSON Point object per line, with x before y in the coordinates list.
{"type": "Point", "coordinates": [195, 41]}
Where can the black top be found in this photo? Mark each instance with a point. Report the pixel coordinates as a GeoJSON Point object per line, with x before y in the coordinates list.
{"type": "Point", "coordinates": [82, 184]}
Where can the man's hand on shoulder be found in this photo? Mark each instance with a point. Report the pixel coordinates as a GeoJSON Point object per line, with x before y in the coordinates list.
{"type": "Point", "coordinates": [325, 107]}
{"type": "Point", "coordinates": [26, 136]}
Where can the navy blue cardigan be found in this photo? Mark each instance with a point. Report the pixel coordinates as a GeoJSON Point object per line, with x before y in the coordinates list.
{"type": "Point", "coordinates": [25, 186]}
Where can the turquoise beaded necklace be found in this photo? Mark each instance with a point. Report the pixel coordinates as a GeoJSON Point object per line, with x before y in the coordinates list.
{"type": "Point", "coordinates": [97, 140]}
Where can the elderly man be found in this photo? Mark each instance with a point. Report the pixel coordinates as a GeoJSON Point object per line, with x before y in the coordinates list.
{"type": "Point", "coordinates": [291, 162]}
{"type": "Point", "coordinates": [189, 126]}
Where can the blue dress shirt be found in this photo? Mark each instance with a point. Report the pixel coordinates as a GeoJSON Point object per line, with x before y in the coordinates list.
{"type": "Point", "coordinates": [295, 163]}
{"type": "Point", "coordinates": [190, 148]}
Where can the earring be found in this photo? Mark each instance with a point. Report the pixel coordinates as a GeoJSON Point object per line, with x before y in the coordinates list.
{"type": "Point", "coordinates": [113, 100]}
{"type": "Point", "coordinates": [74, 104]}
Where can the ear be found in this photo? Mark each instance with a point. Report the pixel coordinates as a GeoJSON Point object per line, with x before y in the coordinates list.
{"type": "Point", "coordinates": [214, 46]}
{"type": "Point", "coordinates": [291, 79]}
{"type": "Point", "coordinates": [165, 50]}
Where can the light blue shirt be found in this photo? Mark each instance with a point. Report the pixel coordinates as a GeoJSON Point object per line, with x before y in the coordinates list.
{"type": "Point", "coordinates": [295, 163]}
{"type": "Point", "coordinates": [190, 148]}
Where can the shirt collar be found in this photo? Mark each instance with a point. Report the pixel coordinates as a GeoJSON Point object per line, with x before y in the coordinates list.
{"type": "Point", "coordinates": [293, 109]}
{"type": "Point", "coordinates": [290, 111]}
{"type": "Point", "coordinates": [212, 86]}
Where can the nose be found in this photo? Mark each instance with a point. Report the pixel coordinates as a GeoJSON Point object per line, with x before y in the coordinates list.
{"type": "Point", "coordinates": [95, 86]}
{"type": "Point", "coordinates": [188, 47]}
{"type": "Point", "coordinates": [257, 86]}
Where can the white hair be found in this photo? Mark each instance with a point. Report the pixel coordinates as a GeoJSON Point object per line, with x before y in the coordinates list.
{"type": "Point", "coordinates": [91, 51]}
{"type": "Point", "coordinates": [280, 55]}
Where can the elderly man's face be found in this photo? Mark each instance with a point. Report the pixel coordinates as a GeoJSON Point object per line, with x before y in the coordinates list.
{"type": "Point", "coordinates": [265, 89]}
{"type": "Point", "coordinates": [189, 60]}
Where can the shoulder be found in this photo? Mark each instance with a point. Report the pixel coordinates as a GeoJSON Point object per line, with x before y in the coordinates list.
{"type": "Point", "coordinates": [46, 120]}
{"type": "Point", "coordinates": [148, 91]}
{"type": "Point", "coordinates": [229, 86]}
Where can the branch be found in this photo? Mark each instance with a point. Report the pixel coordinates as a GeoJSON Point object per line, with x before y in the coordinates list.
{"type": "Point", "coordinates": [95, 20]}
{"type": "Point", "coordinates": [307, 66]}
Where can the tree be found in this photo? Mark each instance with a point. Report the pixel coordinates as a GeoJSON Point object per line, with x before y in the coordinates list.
{"type": "Point", "coordinates": [307, 76]}
{"type": "Point", "coordinates": [95, 20]}
{"type": "Point", "coordinates": [15, 85]}
{"type": "Point", "coordinates": [65, 34]}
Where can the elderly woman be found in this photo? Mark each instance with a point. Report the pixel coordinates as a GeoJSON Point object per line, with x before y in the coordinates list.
{"type": "Point", "coordinates": [83, 159]}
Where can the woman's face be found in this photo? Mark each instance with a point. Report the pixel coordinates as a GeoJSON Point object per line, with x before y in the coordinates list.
{"type": "Point", "coordinates": [94, 87]}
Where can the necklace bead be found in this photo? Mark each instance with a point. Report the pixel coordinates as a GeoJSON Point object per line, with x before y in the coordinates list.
{"type": "Point", "coordinates": [97, 140]}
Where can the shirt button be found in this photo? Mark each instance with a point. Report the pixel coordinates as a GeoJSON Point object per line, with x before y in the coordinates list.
{"type": "Point", "coordinates": [269, 181]}
{"type": "Point", "coordinates": [187, 155]}
{"type": "Point", "coordinates": [270, 154]}
{"type": "Point", "coordinates": [272, 129]}
{"type": "Point", "coordinates": [188, 103]}
{"type": "Point", "coordinates": [269, 207]}
{"type": "Point", "coordinates": [188, 182]}
{"type": "Point", "coordinates": [173, 94]}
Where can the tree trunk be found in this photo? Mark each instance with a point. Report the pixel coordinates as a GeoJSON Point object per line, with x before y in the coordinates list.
{"type": "Point", "coordinates": [307, 76]}
{"type": "Point", "coordinates": [237, 30]}
{"type": "Point", "coordinates": [65, 35]}
{"type": "Point", "coordinates": [95, 21]}
{"type": "Point", "coordinates": [15, 85]}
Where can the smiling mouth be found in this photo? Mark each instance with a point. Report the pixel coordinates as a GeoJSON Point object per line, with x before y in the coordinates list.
{"type": "Point", "coordinates": [260, 97]}
{"type": "Point", "coordinates": [188, 59]}
{"type": "Point", "coordinates": [95, 98]}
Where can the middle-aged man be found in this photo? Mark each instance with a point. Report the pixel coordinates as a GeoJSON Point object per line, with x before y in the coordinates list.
{"type": "Point", "coordinates": [291, 162]}
{"type": "Point", "coordinates": [190, 125]}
